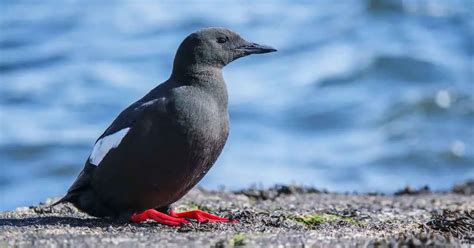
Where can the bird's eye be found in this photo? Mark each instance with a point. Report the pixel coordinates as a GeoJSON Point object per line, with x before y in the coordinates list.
{"type": "Point", "coordinates": [222, 40]}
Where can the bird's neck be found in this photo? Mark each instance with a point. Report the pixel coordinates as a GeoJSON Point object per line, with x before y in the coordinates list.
{"type": "Point", "coordinates": [207, 78]}
{"type": "Point", "coordinates": [196, 73]}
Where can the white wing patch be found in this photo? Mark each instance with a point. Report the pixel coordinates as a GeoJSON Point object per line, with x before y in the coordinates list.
{"type": "Point", "coordinates": [104, 145]}
{"type": "Point", "coordinates": [149, 103]}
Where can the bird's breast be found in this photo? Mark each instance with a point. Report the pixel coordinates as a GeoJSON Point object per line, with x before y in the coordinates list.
{"type": "Point", "coordinates": [205, 126]}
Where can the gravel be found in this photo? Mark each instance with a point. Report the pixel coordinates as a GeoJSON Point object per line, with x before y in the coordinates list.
{"type": "Point", "coordinates": [287, 216]}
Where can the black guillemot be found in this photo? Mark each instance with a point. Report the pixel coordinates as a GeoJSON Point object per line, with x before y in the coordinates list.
{"type": "Point", "coordinates": [161, 146]}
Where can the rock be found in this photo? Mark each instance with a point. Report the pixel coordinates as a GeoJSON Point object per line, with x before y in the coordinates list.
{"type": "Point", "coordinates": [267, 217]}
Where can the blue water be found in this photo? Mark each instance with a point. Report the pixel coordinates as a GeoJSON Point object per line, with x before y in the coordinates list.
{"type": "Point", "coordinates": [362, 95]}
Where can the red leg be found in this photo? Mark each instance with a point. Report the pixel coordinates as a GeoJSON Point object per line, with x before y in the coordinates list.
{"type": "Point", "coordinates": [158, 217]}
{"type": "Point", "coordinates": [200, 216]}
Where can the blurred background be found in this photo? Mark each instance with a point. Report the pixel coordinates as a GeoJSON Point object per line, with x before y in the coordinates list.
{"type": "Point", "coordinates": [361, 96]}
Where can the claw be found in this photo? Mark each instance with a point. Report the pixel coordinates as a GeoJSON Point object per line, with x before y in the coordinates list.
{"type": "Point", "coordinates": [177, 219]}
{"type": "Point", "coordinates": [200, 216]}
{"type": "Point", "coordinates": [158, 217]}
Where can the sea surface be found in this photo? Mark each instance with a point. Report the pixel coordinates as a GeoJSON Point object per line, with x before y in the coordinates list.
{"type": "Point", "coordinates": [361, 96]}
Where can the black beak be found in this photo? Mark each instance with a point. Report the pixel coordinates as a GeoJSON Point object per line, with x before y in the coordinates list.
{"type": "Point", "coordinates": [254, 48]}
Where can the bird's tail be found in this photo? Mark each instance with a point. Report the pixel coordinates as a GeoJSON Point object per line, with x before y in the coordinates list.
{"type": "Point", "coordinates": [82, 195]}
{"type": "Point", "coordinates": [78, 188]}
{"type": "Point", "coordinates": [62, 200]}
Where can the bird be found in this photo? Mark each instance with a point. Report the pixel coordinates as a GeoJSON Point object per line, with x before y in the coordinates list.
{"type": "Point", "coordinates": [161, 146]}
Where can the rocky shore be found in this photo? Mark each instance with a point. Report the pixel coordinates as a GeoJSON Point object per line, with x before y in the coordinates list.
{"type": "Point", "coordinates": [286, 216]}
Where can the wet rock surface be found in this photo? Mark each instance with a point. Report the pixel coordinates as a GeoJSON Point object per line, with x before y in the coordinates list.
{"type": "Point", "coordinates": [280, 216]}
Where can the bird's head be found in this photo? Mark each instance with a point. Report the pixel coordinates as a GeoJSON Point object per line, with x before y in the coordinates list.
{"type": "Point", "coordinates": [215, 47]}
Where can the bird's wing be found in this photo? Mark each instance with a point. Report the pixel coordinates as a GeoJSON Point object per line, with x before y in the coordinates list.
{"type": "Point", "coordinates": [109, 140]}
{"type": "Point", "coordinates": [114, 134]}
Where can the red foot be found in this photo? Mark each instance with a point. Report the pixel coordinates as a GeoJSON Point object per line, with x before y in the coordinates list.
{"type": "Point", "coordinates": [200, 216]}
{"type": "Point", "coordinates": [158, 217]}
